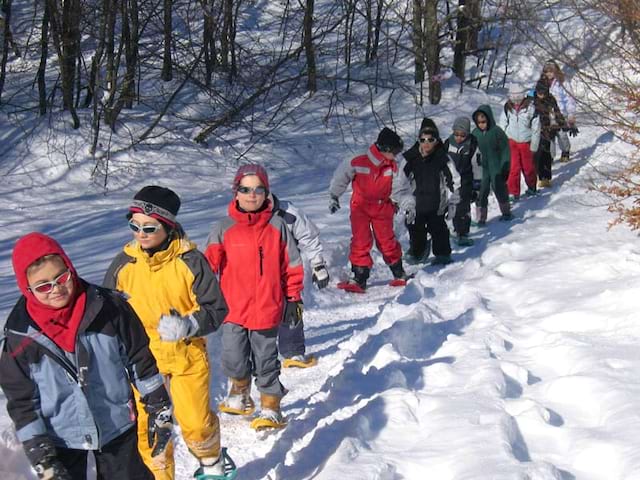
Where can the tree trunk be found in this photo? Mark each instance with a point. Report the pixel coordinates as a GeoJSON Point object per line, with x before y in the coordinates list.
{"type": "Point", "coordinates": [462, 35]}
{"type": "Point", "coordinates": [6, 14]}
{"type": "Point", "coordinates": [167, 72]}
{"type": "Point", "coordinates": [42, 67]}
{"type": "Point", "coordinates": [431, 44]}
{"type": "Point", "coordinates": [65, 28]}
{"type": "Point", "coordinates": [225, 39]}
{"type": "Point", "coordinates": [312, 84]}
{"type": "Point", "coordinates": [208, 41]}
{"type": "Point", "coordinates": [474, 15]}
{"type": "Point", "coordinates": [418, 53]}
{"type": "Point", "coordinates": [376, 30]}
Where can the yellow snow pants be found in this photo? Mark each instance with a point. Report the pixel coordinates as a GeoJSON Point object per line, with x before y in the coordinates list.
{"type": "Point", "coordinates": [185, 367]}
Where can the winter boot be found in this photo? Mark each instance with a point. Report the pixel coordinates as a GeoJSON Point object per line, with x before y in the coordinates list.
{"type": "Point", "coordinates": [357, 283]}
{"type": "Point", "coordinates": [218, 468]}
{"type": "Point", "coordinates": [400, 277]}
{"type": "Point", "coordinates": [441, 260]}
{"type": "Point", "coordinates": [505, 208]}
{"type": "Point", "coordinates": [481, 216]}
{"type": "Point", "coordinates": [564, 157]}
{"type": "Point", "coordinates": [464, 241]}
{"type": "Point", "coordinates": [514, 198]}
{"type": "Point", "coordinates": [531, 192]}
{"type": "Point", "coordinates": [299, 361]}
{"type": "Point", "coordinates": [270, 415]}
{"type": "Point", "coordinates": [544, 183]}
{"type": "Point", "coordinates": [239, 401]}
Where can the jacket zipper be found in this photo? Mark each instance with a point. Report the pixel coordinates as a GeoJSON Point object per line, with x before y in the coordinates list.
{"type": "Point", "coordinates": [261, 255]}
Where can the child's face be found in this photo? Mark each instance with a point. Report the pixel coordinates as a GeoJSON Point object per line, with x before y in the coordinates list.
{"type": "Point", "coordinates": [459, 136]}
{"type": "Point", "coordinates": [550, 74]}
{"type": "Point", "coordinates": [51, 283]}
{"type": "Point", "coordinates": [147, 240]}
{"type": "Point", "coordinates": [427, 144]}
{"type": "Point", "coordinates": [251, 193]}
{"type": "Point", "coordinates": [482, 122]}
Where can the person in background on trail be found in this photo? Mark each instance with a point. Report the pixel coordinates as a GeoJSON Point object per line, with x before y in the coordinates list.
{"type": "Point", "coordinates": [70, 354]}
{"type": "Point", "coordinates": [169, 284]}
{"type": "Point", "coordinates": [551, 122]}
{"type": "Point", "coordinates": [462, 150]}
{"type": "Point", "coordinates": [291, 342]}
{"type": "Point", "coordinates": [522, 126]}
{"type": "Point", "coordinates": [494, 148]}
{"type": "Point", "coordinates": [379, 188]}
{"type": "Point", "coordinates": [261, 275]}
{"type": "Point", "coordinates": [559, 87]}
{"type": "Point", "coordinates": [428, 172]}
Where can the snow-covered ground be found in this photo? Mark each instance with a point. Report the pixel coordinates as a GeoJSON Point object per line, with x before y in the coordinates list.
{"type": "Point", "coordinates": [518, 361]}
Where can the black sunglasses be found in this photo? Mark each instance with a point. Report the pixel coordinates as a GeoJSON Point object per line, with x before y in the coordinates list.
{"type": "Point", "coordinates": [148, 229]}
{"type": "Point", "coordinates": [428, 140]}
{"type": "Point", "coordinates": [257, 190]}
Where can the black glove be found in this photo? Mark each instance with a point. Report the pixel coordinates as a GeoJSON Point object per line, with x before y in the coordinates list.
{"type": "Point", "coordinates": [42, 455]}
{"type": "Point", "coordinates": [320, 276]}
{"type": "Point", "coordinates": [475, 194]}
{"type": "Point", "coordinates": [334, 204]}
{"type": "Point", "coordinates": [293, 313]}
{"type": "Point", "coordinates": [573, 131]}
{"type": "Point", "coordinates": [159, 426]}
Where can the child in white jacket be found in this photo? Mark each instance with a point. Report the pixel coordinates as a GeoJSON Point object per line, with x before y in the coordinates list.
{"type": "Point", "coordinates": [523, 129]}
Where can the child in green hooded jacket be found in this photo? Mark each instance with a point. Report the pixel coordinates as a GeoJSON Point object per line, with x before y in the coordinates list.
{"type": "Point", "coordinates": [496, 160]}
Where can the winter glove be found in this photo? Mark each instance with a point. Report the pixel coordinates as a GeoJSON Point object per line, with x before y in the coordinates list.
{"type": "Point", "coordinates": [475, 194]}
{"type": "Point", "coordinates": [573, 131]}
{"type": "Point", "coordinates": [320, 276]}
{"type": "Point", "coordinates": [159, 426]}
{"type": "Point", "coordinates": [293, 313]}
{"type": "Point", "coordinates": [410, 216]}
{"type": "Point", "coordinates": [42, 455]}
{"type": "Point", "coordinates": [476, 185]}
{"type": "Point", "coordinates": [334, 204]}
{"type": "Point", "coordinates": [174, 327]}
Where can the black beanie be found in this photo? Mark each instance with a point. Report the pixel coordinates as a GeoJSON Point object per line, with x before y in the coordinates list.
{"type": "Point", "coordinates": [389, 141]}
{"type": "Point", "coordinates": [157, 202]}
{"type": "Point", "coordinates": [429, 126]}
{"type": "Point", "coordinates": [542, 87]}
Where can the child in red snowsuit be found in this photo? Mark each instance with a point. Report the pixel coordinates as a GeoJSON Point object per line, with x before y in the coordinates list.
{"type": "Point", "coordinates": [379, 187]}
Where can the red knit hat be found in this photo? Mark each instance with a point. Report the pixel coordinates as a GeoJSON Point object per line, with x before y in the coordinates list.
{"type": "Point", "coordinates": [251, 169]}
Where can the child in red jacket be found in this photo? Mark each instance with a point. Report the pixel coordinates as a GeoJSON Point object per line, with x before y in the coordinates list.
{"type": "Point", "coordinates": [261, 273]}
{"type": "Point", "coordinates": [379, 188]}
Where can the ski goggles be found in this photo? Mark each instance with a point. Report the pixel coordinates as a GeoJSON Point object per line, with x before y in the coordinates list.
{"type": "Point", "coordinates": [47, 287]}
{"type": "Point", "coordinates": [257, 190]}
{"type": "Point", "coordinates": [148, 229]}
{"type": "Point", "coordinates": [427, 140]}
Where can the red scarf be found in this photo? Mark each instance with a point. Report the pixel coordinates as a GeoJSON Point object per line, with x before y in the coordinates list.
{"type": "Point", "coordinates": [59, 324]}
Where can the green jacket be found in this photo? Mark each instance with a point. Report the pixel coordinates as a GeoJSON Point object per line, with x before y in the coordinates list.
{"type": "Point", "coordinates": [493, 144]}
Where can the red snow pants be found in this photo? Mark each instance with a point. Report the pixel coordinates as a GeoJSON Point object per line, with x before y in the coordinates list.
{"type": "Point", "coordinates": [371, 220]}
{"type": "Point", "coordinates": [521, 162]}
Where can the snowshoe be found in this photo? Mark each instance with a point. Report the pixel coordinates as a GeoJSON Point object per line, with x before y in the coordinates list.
{"type": "Point", "coordinates": [300, 361]}
{"type": "Point", "coordinates": [238, 404]}
{"type": "Point", "coordinates": [229, 467]}
{"type": "Point", "coordinates": [400, 282]}
{"type": "Point", "coordinates": [351, 286]}
{"type": "Point", "coordinates": [268, 419]}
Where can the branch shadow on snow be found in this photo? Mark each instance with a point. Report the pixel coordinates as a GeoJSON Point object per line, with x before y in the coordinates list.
{"type": "Point", "coordinates": [352, 405]}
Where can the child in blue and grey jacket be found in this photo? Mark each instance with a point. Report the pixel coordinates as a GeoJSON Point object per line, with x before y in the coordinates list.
{"type": "Point", "coordinates": [72, 350]}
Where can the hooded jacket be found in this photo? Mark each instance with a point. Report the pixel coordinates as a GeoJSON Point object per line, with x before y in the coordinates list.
{"type": "Point", "coordinates": [520, 123]}
{"type": "Point", "coordinates": [258, 263]}
{"type": "Point", "coordinates": [375, 180]}
{"type": "Point", "coordinates": [80, 399]}
{"type": "Point", "coordinates": [493, 145]}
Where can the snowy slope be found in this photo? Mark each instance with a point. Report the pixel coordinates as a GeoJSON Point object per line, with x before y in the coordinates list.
{"type": "Point", "coordinates": [517, 361]}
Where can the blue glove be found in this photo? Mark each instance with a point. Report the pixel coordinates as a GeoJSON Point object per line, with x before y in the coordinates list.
{"type": "Point", "coordinates": [334, 204]}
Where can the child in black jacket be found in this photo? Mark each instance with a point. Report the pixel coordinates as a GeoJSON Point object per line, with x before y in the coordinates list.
{"type": "Point", "coordinates": [431, 180]}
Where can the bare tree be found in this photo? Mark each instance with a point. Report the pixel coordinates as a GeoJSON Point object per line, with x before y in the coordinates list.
{"type": "Point", "coordinates": [167, 65]}
{"type": "Point", "coordinates": [307, 40]}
